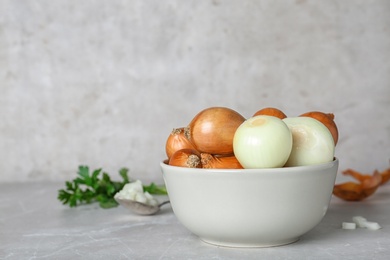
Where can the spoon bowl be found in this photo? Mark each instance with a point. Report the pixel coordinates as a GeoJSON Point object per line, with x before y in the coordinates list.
{"type": "Point", "coordinates": [139, 207]}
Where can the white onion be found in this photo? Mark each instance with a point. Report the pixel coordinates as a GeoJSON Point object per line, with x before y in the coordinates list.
{"type": "Point", "coordinates": [262, 142]}
{"type": "Point", "coordinates": [372, 226]}
{"type": "Point", "coordinates": [360, 221]}
{"type": "Point", "coordinates": [348, 225]}
{"type": "Point", "coordinates": [312, 142]}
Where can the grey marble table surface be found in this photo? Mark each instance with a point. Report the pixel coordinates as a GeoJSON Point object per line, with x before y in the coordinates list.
{"type": "Point", "coordinates": [35, 225]}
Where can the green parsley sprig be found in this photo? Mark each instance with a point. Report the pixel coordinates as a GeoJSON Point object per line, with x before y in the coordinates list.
{"type": "Point", "coordinates": [97, 186]}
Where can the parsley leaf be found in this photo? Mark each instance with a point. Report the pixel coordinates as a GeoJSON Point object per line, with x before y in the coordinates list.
{"type": "Point", "coordinates": [97, 186]}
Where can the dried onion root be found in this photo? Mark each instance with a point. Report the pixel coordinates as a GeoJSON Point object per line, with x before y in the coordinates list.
{"type": "Point", "coordinates": [189, 158]}
{"type": "Point", "coordinates": [177, 141]}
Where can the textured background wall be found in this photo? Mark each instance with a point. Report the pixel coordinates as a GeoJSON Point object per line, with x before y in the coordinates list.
{"type": "Point", "coordinates": [103, 83]}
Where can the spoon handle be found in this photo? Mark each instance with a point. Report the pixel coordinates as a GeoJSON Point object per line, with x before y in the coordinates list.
{"type": "Point", "coordinates": [163, 203]}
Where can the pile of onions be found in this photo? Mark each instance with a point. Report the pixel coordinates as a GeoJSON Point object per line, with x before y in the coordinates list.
{"type": "Point", "coordinates": [221, 138]}
{"type": "Point", "coordinates": [207, 141]}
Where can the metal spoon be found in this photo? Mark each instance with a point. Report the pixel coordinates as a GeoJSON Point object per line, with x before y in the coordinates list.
{"type": "Point", "coordinates": [139, 207]}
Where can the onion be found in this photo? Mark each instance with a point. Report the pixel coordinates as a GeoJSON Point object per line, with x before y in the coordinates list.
{"type": "Point", "coordinates": [210, 161]}
{"type": "Point", "coordinates": [189, 158]}
{"type": "Point", "coordinates": [212, 130]}
{"type": "Point", "coordinates": [312, 142]}
{"type": "Point", "coordinates": [328, 120]}
{"type": "Point", "coordinates": [348, 225]}
{"type": "Point", "coordinates": [262, 142]}
{"type": "Point", "coordinates": [177, 141]}
{"type": "Point", "coordinates": [271, 111]}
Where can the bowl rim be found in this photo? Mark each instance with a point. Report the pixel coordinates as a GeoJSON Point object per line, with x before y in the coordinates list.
{"type": "Point", "coordinates": [314, 167]}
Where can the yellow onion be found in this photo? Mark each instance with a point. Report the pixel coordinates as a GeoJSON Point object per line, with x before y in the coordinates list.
{"type": "Point", "coordinates": [271, 111]}
{"type": "Point", "coordinates": [189, 158]}
{"type": "Point", "coordinates": [212, 130]}
{"type": "Point", "coordinates": [210, 161]}
{"type": "Point", "coordinates": [177, 141]}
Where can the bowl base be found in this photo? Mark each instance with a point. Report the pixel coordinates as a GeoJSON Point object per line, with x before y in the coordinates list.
{"type": "Point", "coordinates": [249, 245]}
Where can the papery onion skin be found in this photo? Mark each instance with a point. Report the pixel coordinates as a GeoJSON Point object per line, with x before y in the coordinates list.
{"type": "Point", "coordinates": [212, 130]}
{"type": "Point", "coordinates": [271, 111]}
{"type": "Point", "coordinates": [177, 141]}
{"type": "Point", "coordinates": [262, 142]}
{"type": "Point", "coordinates": [328, 120]}
{"type": "Point", "coordinates": [189, 158]}
{"type": "Point", "coordinates": [312, 142]}
{"type": "Point", "coordinates": [210, 161]}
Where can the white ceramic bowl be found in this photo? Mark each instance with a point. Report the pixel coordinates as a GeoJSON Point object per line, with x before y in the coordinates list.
{"type": "Point", "coordinates": [251, 207]}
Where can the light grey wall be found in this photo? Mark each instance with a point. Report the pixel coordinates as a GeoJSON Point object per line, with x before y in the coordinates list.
{"type": "Point", "coordinates": [103, 83]}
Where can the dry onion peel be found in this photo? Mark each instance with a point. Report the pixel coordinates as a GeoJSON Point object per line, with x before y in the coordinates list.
{"type": "Point", "coordinates": [366, 186]}
{"type": "Point", "coordinates": [385, 176]}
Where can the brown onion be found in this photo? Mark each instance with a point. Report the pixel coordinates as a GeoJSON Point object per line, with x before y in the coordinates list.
{"type": "Point", "coordinates": [177, 141]}
{"type": "Point", "coordinates": [212, 130]}
{"type": "Point", "coordinates": [189, 158]}
{"type": "Point", "coordinates": [271, 111]}
{"type": "Point", "coordinates": [219, 162]}
{"type": "Point", "coordinates": [328, 120]}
